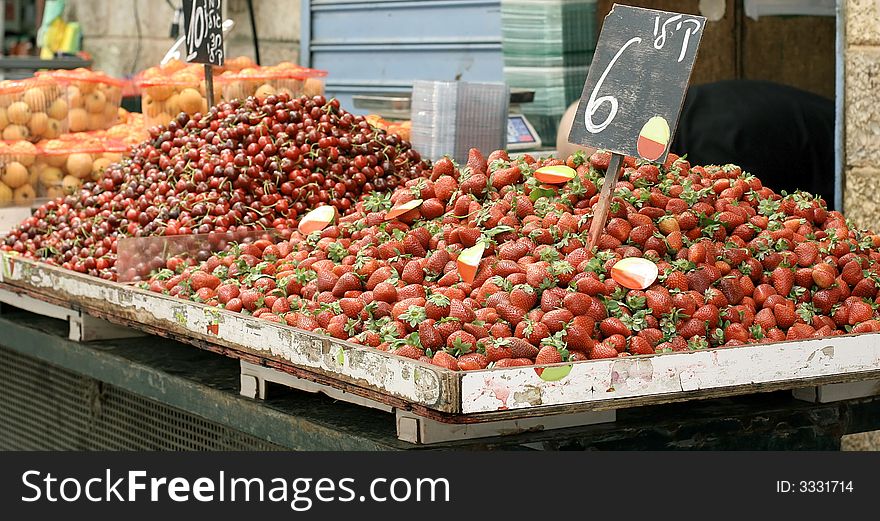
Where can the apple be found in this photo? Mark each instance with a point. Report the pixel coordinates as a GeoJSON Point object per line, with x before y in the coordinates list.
{"type": "Point", "coordinates": [400, 209]}
{"type": "Point", "coordinates": [317, 219]}
{"type": "Point", "coordinates": [634, 272]}
{"type": "Point", "coordinates": [555, 174]}
{"type": "Point", "coordinates": [468, 261]}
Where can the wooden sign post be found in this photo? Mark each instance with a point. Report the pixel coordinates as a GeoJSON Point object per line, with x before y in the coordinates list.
{"type": "Point", "coordinates": [203, 20]}
{"type": "Point", "coordinates": [634, 90]}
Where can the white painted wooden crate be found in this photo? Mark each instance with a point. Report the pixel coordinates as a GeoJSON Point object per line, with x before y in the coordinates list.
{"type": "Point", "coordinates": [427, 389]}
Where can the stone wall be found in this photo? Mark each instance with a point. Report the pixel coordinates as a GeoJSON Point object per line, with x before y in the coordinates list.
{"type": "Point", "coordinates": [862, 183]}
{"type": "Point", "coordinates": [110, 31]}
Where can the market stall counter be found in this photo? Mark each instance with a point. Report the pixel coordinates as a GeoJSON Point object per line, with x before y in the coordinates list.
{"type": "Point", "coordinates": [155, 393]}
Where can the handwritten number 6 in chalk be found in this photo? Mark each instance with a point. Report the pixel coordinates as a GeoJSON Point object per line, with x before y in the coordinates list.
{"type": "Point", "coordinates": [594, 102]}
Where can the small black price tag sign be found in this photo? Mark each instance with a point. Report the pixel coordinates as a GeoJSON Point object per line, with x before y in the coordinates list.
{"type": "Point", "coordinates": [637, 81]}
{"type": "Point", "coordinates": [203, 22]}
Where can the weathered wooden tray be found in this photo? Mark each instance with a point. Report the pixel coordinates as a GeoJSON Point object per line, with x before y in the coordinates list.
{"type": "Point", "coordinates": [450, 396]}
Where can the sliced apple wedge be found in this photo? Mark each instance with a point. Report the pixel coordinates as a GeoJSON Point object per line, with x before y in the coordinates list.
{"type": "Point", "coordinates": [400, 209]}
{"type": "Point", "coordinates": [469, 260]}
{"type": "Point", "coordinates": [555, 174]}
{"type": "Point", "coordinates": [317, 219]}
{"type": "Point", "coordinates": [634, 272]}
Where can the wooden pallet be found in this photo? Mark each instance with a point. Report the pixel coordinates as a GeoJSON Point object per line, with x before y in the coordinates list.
{"type": "Point", "coordinates": [83, 327]}
{"type": "Point", "coordinates": [838, 392]}
{"type": "Point", "coordinates": [413, 427]}
{"type": "Point", "coordinates": [451, 396]}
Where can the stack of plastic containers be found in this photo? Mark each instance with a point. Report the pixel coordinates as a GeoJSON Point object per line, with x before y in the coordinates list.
{"type": "Point", "coordinates": [548, 46]}
{"type": "Point", "coordinates": [451, 117]}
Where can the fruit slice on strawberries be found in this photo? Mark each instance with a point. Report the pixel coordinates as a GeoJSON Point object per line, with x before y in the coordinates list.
{"type": "Point", "coordinates": [469, 260]}
{"type": "Point", "coordinates": [542, 190]}
{"type": "Point", "coordinates": [400, 209]}
{"type": "Point", "coordinates": [653, 139]}
{"type": "Point", "coordinates": [552, 374]}
{"type": "Point", "coordinates": [634, 272]}
{"type": "Point", "coordinates": [555, 174]}
{"type": "Point", "coordinates": [317, 219]}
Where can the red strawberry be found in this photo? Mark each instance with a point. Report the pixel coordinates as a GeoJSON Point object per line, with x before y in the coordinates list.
{"type": "Point", "coordinates": [692, 327]}
{"type": "Point", "coordinates": [497, 351]}
{"type": "Point", "coordinates": [612, 326]}
{"type": "Point", "coordinates": [548, 355]}
{"type": "Point", "coordinates": [766, 319]}
{"type": "Point", "coordinates": [442, 167]}
{"type": "Point", "coordinates": [864, 288]}
{"type": "Point", "coordinates": [521, 348]}
{"type": "Point", "coordinates": [327, 280]}
{"type": "Point", "coordinates": [785, 315]}
{"type": "Point", "coordinates": [506, 177]}
{"type": "Point", "coordinates": [412, 273]}
{"type": "Point", "coordinates": [640, 346]}
{"type": "Point", "coordinates": [591, 286]}
{"type": "Point", "coordinates": [200, 279]}
{"type": "Point", "coordinates": [579, 333]}
{"type": "Point", "coordinates": [251, 299]}
{"type": "Point", "coordinates": [736, 331]}
{"type": "Point", "coordinates": [800, 331]}
{"type": "Point", "coordinates": [500, 330]}
{"type": "Point", "coordinates": [732, 290]}
{"type": "Point", "coordinates": [618, 228]}
{"type": "Point", "coordinates": [476, 162]}
{"type": "Point", "coordinates": [536, 274]}
{"type": "Point", "coordinates": [557, 319]}
{"type": "Point", "coordinates": [447, 328]}
{"type": "Point", "coordinates": [351, 307]}
{"type": "Point", "coordinates": [659, 302]}
{"type": "Point", "coordinates": [444, 187]}
{"type": "Point", "coordinates": [432, 208]}
{"type": "Point", "coordinates": [534, 332]}
{"type": "Point", "coordinates": [385, 292]}
{"type": "Point", "coordinates": [475, 184]}
{"type": "Point", "coordinates": [807, 253]}
{"type": "Point", "coordinates": [603, 350]}
{"type": "Point", "coordinates": [409, 351]}
{"type": "Point", "coordinates": [457, 309]}
{"type": "Point", "coordinates": [227, 292]}
{"type": "Point", "coordinates": [860, 311]}
{"type": "Point", "coordinates": [461, 341]}
{"type": "Point", "coordinates": [512, 314]}
{"type": "Point", "coordinates": [429, 336]}
{"type": "Point", "coordinates": [823, 276]}
{"type": "Point", "coordinates": [577, 303]}
{"type": "Point", "coordinates": [336, 328]}
{"type": "Point", "coordinates": [652, 335]}
{"type": "Point", "coordinates": [677, 280]}
{"type": "Point", "coordinates": [783, 280]}
{"type": "Point", "coordinates": [708, 313]}
{"type": "Point", "coordinates": [346, 282]}
{"type": "Point", "coordinates": [234, 305]}
{"type": "Point", "coordinates": [436, 262]}
{"type": "Point", "coordinates": [444, 359]}
{"type": "Point", "coordinates": [472, 362]}
{"type": "Point", "coordinates": [852, 273]}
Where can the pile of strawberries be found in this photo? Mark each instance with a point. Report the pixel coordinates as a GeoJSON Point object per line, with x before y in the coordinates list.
{"type": "Point", "coordinates": [738, 264]}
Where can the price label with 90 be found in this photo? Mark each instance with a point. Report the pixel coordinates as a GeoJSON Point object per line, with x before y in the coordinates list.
{"type": "Point", "coordinates": [637, 81]}
{"type": "Point", "coordinates": [203, 22]}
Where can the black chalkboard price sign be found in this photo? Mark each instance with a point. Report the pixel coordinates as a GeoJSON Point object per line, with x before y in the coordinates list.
{"type": "Point", "coordinates": [203, 22]}
{"type": "Point", "coordinates": [634, 90]}
{"type": "Point", "coordinates": [637, 80]}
